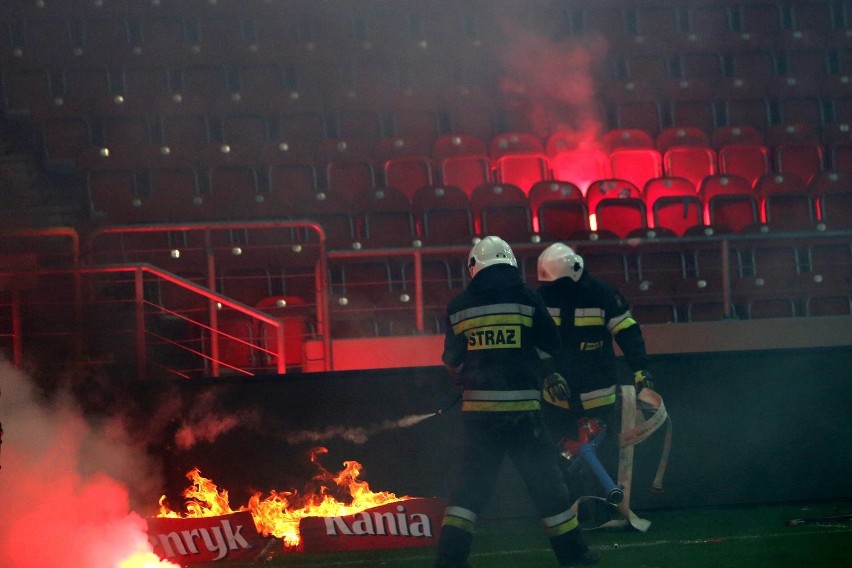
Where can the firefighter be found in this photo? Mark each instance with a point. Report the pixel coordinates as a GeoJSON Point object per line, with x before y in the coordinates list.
{"type": "Point", "coordinates": [590, 314]}
{"type": "Point", "coordinates": [495, 328]}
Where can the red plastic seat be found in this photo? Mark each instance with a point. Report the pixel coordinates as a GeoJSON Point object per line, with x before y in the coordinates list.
{"type": "Point", "coordinates": [626, 138]}
{"type": "Point", "coordinates": [385, 218]}
{"type": "Point", "coordinates": [408, 173]}
{"type": "Point", "coordinates": [245, 132]}
{"type": "Point", "coordinates": [173, 195]}
{"type": "Point", "coordinates": [673, 203]}
{"type": "Point", "coordinates": [453, 145]}
{"type": "Point", "coordinates": [661, 272]}
{"type": "Point", "coordinates": [832, 191]}
{"type": "Point", "coordinates": [81, 85]}
{"type": "Point", "coordinates": [636, 165]}
{"type": "Point", "coordinates": [234, 193]}
{"type": "Point", "coordinates": [652, 67]}
{"type": "Point", "coordinates": [692, 163]}
{"type": "Point", "coordinates": [729, 203]}
{"type": "Point", "coordinates": [803, 159]}
{"type": "Point", "coordinates": [124, 133]}
{"type": "Point", "coordinates": [617, 206]}
{"type": "Point", "coordinates": [558, 209]}
{"type": "Point", "coordinates": [701, 65]}
{"type": "Point", "coordinates": [522, 170]}
{"type": "Point", "coordinates": [349, 177]}
{"type": "Point", "coordinates": [754, 110]}
{"type": "Point", "coordinates": [841, 156]}
{"type": "Point", "coordinates": [748, 161]}
{"type": "Point", "coordinates": [514, 143]}
{"type": "Point", "coordinates": [636, 106]}
{"type": "Point", "coordinates": [443, 215]}
{"type": "Point", "coordinates": [184, 132]}
{"type": "Point", "coordinates": [503, 210]}
{"type": "Point", "coordinates": [112, 195]}
{"type": "Point", "coordinates": [466, 172]}
{"type": "Point", "coordinates": [63, 137]}
{"type": "Point", "coordinates": [334, 214]}
{"type": "Point", "coordinates": [402, 147]}
{"type": "Point", "coordinates": [681, 136]}
{"type": "Point", "coordinates": [695, 111]}
{"type": "Point", "coordinates": [580, 167]}
{"type": "Point", "coordinates": [785, 202]}
{"type": "Point", "coordinates": [736, 134]}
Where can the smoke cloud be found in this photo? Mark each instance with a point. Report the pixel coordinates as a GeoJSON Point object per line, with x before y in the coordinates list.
{"type": "Point", "coordinates": [548, 77]}
{"type": "Point", "coordinates": [64, 485]}
{"type": "Point", "coordinates": [205, 423]}
{"type": "Point", "coordinates": [354, 435]}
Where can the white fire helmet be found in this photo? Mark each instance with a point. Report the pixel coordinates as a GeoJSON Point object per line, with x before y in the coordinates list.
{"type": "Point", "coordinates": [487, 252]}
{"type": "Point", "coordinates": [557, 261]}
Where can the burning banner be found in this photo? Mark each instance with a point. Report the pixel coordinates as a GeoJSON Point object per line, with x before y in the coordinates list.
{"type": "Point", "coordinates": [408, 524]}
{"type": "Point", "coordinates": [341, 513]}
{"type": "Point", "coordinates": [205, 539]}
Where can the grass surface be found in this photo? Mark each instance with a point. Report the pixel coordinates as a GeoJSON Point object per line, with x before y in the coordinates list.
{"type": "Point", "coordinates": [730, 537]}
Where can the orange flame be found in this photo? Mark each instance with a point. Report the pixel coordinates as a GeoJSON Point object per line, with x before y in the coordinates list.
{"type": "Point", "coordinates": [279, 513]}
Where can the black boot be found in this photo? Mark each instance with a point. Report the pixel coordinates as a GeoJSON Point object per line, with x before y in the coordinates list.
{"type": "Point", "coordinates": [571, 549]}
{"type": "Point", "coordinates": [453, 548]}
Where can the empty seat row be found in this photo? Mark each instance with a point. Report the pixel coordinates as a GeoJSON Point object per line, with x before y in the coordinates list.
{"type": "Point", "coordinates": [322, 31]}
{"type": "Point", "coordinates": [465, 162]}
{"type": "Point", "coordinates": [377, 217]}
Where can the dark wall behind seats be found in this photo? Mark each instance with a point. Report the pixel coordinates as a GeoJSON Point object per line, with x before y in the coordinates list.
{"type": "Point", "coordinates": [749, 427]}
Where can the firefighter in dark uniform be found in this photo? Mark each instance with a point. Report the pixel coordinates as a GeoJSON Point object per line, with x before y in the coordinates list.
{"type": "Point", "coordinates": [590, 314]}
{"type": "Point", "coordinates": [496, 327]}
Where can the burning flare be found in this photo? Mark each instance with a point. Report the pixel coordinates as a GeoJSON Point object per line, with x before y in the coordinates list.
{"type": "Point", "coordinates": [279, 513]}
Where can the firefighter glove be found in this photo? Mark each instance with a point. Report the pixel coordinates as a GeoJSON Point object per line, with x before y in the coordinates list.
{"type": "Point", "coordinates": [556, 387]}
{"type": "Point", "coordinates": [642, 379]}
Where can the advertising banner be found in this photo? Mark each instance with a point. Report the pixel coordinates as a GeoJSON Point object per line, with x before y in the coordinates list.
{"type": "Point", "coordinates": [205, 539]}
{"type": "Point", "coordinates": [402, 524]}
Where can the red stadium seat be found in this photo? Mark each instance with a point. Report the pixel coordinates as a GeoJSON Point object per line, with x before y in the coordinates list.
{"type": "Point", "coordinates": [453, 145]}
{"type": "Point", "coordinates": [502, 209]}
{"type": "Point", "coordinates": [832, 191]}
{"type": "Point", "coordinates": [729, 203]}
{"type": "Point", "coordinates": [349, 177]}
{"type": "Point", "coordinates": [408, 173]}
{"type": "Point", "coordinates": [514, 143]}
{"type": "Point", "coordinates": [522, 170]}
{"type": "Point", "coordinates": [558, 209]}
{"type": "Point", "coordinates": [617, 206]}
{"type": "Point", "coordinates": [692, 163]}
{"type": "Point", "coordinates": [681, 136]}
{"type": "Point", "coordinates": [580, 167]}
{"type": "Point", "coordinates": [673, 203]}
{"type": "Point", "coordinates": [803, 159]}
{"type": "Point", "coordinates": [636, 165]}
{"type": "Point", "coordinates": [385, 218]}
{"type": "Point", "coordinates": [626, 138]}
{"type": "Point", "coordinates": [443, 215]}
{"type": "Point", "coordinates": [785, 202]}
{"type": "Point", "coordinates": [748, 161]}
{"type": "Point", "coordinates": [736, 134]}
{"type": "Point", "coordinates": [466, 172]}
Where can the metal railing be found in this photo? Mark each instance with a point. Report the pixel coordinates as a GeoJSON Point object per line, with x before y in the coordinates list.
{"type": "Point", "coordinates": [111, 259]}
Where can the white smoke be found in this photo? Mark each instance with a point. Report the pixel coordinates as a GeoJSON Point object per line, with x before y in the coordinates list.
{"type": "Point", "coordinates": [64, 484]}
{"type": "Point", "coordinates": [359, 435]}
{"type": "Point", "coordinates": [205, 424]}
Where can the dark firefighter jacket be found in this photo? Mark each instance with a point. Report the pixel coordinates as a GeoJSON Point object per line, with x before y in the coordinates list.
{"type": "Point", "coordinates": [495, 328]}
{"type": "Point", "coordinates": [590, 313]}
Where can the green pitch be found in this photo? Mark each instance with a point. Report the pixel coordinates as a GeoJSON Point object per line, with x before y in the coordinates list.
{"type": "Point", "coordinates": [730, 537]}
